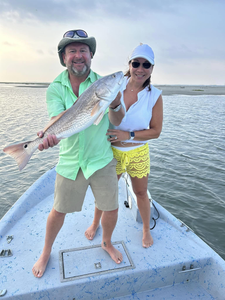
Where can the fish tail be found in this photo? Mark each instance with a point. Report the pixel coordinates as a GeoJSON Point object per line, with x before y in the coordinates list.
{"type": "Point", "coordinates": [21, 153]}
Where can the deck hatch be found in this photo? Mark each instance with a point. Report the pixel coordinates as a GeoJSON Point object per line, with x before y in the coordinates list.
{"type": "Point", "coordinates": [91, 261]}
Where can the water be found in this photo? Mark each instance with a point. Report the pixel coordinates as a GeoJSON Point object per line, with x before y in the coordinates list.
{"type": "Point", "coordinates": [187, 161]}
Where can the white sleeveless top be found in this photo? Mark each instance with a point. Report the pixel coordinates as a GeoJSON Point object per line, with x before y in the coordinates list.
{"type": "Point", "coordinates": [139, 114]}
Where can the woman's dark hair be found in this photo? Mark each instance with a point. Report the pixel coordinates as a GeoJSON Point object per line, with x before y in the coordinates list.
{"type": "Point", "coordinates": [146, 83]}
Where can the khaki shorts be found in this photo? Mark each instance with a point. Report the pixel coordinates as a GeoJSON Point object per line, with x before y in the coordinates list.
{"type": "Point", "coordinates": [70, 194]}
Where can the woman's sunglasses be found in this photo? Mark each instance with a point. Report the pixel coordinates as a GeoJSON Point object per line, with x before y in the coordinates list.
{"type": "Point", "coordinates": [76, 33]}
{"type": "Point", "coordinates": [136, 64]}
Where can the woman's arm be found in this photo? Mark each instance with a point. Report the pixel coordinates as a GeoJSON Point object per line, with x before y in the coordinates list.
{"type": "Point", "coordinates": [115, 117]}
{"type": "Point", "coordinates": [152, 133]}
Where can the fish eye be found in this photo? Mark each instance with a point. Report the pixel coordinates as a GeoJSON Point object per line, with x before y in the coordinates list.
{"type": "Point", "coordinates": [25, 146]}
{"type": "Point", "coordinates": [114, 76]}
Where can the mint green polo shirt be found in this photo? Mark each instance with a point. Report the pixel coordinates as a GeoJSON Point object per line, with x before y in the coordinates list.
{"type": "Point", "coordinates": [88, 149]}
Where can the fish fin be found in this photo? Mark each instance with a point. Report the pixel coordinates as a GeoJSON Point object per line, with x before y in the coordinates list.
{"type": "Point", "coordinates": [54, 120]}
{"type": "Point", "coordinates": [98, 120]}
{"type": "Point", "coordinates": [19, 153]}
{"type": "Point", "coordinates": [95, 108]}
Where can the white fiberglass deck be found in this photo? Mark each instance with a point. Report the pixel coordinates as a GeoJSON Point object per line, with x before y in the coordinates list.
{"type": "Point", "coordinates": [178, 266]}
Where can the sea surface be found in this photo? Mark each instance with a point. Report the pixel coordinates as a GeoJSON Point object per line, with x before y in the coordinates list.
{"type": "Point", "coordinates": [187, 160]}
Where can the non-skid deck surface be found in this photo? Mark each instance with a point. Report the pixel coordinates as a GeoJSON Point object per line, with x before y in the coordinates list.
{"type": "Point", "coordinates": [182, 291]}
{"type": "Point", "coordinates": [155, 267]}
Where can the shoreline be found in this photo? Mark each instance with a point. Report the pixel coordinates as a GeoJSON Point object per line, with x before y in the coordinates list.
{"type": "Point", "coordinates": [167, 90]}
{"type": "Point", "coordinates": [192, 90]}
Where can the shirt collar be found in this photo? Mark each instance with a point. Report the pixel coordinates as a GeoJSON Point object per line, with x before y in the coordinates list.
{"type": "Point", "coordinates": [64, 78]}
{"type": "Point", "coordinates": [91, 76]}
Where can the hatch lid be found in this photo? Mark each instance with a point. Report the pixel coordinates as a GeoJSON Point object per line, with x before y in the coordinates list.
{"type": "Point", "coordinates": [90, 261]}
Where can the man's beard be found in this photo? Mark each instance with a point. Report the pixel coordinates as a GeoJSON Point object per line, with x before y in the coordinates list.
{"type": "Point", "coordinates": [78, 73]}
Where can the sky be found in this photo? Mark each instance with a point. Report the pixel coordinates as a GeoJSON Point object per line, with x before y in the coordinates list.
{"type": "Point", "coordinates": [187, 37]}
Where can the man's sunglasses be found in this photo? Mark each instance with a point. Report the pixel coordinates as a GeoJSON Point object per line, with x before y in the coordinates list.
{"type": "Point", "coordinates": [76, 33]}
{"type": "Point", "coordinates": [136, 64]}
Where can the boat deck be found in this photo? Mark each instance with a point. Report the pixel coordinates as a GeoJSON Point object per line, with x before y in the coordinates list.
{"type": "Point", "coordinates": [178, 266]}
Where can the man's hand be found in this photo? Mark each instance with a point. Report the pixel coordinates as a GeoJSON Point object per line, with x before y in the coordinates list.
{"type": "Point", "coordinates": [50, 141]}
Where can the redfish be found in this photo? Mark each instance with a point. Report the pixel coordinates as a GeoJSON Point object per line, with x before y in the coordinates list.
{"type": "Point", "coordinates": [88, 109]}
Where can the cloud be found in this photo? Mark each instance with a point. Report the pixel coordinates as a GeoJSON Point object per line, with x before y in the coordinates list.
{"type": "Point", "coordinates": [40, 52]}
{"type": "Point", "coordinates": [7, 44]}
{"type": "Point", "coordinates": [64, 10]}
{"type": "Point", "coordinates": [181, 33]}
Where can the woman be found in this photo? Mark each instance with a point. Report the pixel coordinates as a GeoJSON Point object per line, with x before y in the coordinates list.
{"type": "Point", "coordinates": [142, 122]}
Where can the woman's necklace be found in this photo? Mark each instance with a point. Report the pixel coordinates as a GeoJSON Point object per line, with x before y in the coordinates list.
{"type": "Point", "coordinates": [136, 90]}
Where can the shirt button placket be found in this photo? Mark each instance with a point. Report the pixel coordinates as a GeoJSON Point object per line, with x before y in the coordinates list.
{"type": "Point", "coordinates": [81, 146]}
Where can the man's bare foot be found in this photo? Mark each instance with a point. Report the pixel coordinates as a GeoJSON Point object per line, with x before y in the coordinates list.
{"type": "Point", "coordinates": [147, 240]}
{"type": "Point", "coordinates": [113, 252]}
{"type": "Point", "coordinates": [91, 231]}
{"type": "Point", "coordinates": [40, 266]}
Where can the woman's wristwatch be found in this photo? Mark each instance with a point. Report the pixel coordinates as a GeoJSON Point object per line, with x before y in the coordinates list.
{"type": "Point", "coordinates": [132, 135]}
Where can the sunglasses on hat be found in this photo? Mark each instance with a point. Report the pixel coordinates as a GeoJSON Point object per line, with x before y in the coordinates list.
{"type": "Point", "coordinates": [76, 33]}
{"type": "Point", "coordinates": [136, 64]}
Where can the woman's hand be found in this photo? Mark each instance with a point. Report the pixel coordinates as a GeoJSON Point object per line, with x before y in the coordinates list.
{"type": "Point", "coordinates": [116, 101]}
{"type": "Point", "coordinates": [116, 135]}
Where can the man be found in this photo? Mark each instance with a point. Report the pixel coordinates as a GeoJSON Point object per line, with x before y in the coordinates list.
{"type": "Point", "coordinates": [85, 158]}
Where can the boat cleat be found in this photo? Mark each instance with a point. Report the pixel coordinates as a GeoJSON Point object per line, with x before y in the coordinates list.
{"type": "Point", "coordinates": [185, 225]}
{"type": "Point", "coordinates": [6, 253]}
{"type": "Point", "coordinates": [192, 268]}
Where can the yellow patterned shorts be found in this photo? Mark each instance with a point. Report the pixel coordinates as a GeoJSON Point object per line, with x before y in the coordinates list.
{"type": "Point", "coordinates": [135, 162]}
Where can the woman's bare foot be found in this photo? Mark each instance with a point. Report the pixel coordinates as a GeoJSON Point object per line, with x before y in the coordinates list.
{"type": "Point", "coordinates": [147, 240]}
{"type": "Point", "coordinates": [40, 266]}
{"type": "Point", "coordinates": [91, 231]}
{"type": "Point", "coordinates": [113, 252]}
